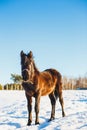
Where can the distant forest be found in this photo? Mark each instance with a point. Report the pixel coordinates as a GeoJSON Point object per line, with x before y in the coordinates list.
{"type": "Point", "coordinates": [74, 83]}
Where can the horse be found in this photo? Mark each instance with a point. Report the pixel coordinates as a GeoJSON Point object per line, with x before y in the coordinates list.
{"type": "Point", "coordinates": [37, 84]}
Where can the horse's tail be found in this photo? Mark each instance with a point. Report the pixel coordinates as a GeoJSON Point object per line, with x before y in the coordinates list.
{"type": "Point", "coordinates": [58, 89]}
{"type": "Point", "coordinates": [56, 94]}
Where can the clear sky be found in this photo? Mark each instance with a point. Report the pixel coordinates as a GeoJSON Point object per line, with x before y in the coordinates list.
{"type": "Point", "coordinates": [55, 31]}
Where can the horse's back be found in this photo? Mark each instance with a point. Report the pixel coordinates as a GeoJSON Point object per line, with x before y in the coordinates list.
{"type": "Point", "coordinates": [54, 73]}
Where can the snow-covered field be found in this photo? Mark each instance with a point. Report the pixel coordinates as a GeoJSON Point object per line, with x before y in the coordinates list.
{"type": "Point", "coordinates": [13, 112]}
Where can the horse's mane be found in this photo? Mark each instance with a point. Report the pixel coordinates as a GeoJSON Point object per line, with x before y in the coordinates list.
{"type": "Point", "coordinates": [35, 68]}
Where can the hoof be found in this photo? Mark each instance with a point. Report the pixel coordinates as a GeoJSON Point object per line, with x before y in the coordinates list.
{"type": "Point", "coordinates": [51, 119]}
{"type": "Point", "coordinates": [37, 123]}
{"type": "Point", "coordinates": [29, 123]}
{"type": "Point", "coordinates": [63, 115]}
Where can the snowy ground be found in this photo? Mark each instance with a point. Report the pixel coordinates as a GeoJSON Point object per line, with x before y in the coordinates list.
{"type": "Point", "coordinates": [13, 112]}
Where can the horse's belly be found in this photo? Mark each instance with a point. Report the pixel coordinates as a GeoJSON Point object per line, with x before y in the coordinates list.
{"type": "Point", "coordinates": [47, 91]}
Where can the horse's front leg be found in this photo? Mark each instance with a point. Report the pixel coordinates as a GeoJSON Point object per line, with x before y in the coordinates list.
{"type": "Point", "coordinates": [37, 105]}
{"type": "Point", "coordinates": [29, 106]}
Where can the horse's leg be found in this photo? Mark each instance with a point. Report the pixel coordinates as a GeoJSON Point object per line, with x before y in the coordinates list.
{"type": "Point", "coordinates": [62, 103]}
{"type": "Point", "coordinates": [53, 103]}
{"type": "Point", "coordinates": [59, 94]}
{"type": "Point", "coordinates": [37, 105]}
{"type": "Point", "coordinates": [29, 106]}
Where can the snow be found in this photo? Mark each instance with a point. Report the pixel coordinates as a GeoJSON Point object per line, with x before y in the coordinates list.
{"type": "Point", "coordinates": [13, 112]}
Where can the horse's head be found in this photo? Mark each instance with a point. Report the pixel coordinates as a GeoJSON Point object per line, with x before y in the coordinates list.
{"type": "Point", "coordinates": [27, 68]}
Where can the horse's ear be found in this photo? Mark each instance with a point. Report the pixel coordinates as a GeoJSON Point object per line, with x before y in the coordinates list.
{"type": "Point", "coordinates": [30, 55]}
{"type": "Point", "coordinates": [21, 53]}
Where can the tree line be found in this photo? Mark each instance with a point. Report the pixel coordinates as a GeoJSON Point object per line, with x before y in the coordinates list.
{"type": "Point", "coordinates": [75, 83]}
{"type": "Point", "coordinates": [16, 85]}
{"type": "Point", "coordinates": [68, 83]}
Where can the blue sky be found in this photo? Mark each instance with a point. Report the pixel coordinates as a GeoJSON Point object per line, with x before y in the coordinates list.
{"type": "Point", "coordinates": [55, 30]}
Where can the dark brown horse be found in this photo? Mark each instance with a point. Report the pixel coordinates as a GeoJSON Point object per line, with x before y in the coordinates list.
{"type": "Point", "coordinates": [37, 84]}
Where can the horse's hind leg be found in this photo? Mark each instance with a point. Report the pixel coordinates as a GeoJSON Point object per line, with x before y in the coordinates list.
{"type": "Point", "coordinates": [53, 103]}
{"type": "Point", "coordinates": [62, 103]}
{"type": "Point", "coordinates": [59, 94]}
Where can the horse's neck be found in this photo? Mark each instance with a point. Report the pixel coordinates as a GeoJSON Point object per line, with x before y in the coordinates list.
{"type": "Point", "coordinates": [33, 73]}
